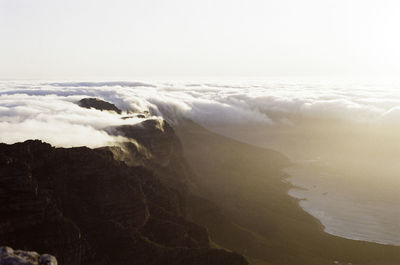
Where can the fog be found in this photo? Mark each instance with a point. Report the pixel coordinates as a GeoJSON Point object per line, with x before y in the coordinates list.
{"type": "Point", "coordinates": [314, 106]}
{"type": "Point", "coordinates": [350, 123]}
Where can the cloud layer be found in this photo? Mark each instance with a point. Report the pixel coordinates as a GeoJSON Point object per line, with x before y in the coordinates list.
{"type": "Point", "coordinates": [48, 110]}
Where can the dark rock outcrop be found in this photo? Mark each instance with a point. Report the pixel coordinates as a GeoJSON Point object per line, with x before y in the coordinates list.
{"type": "Point", "coordinates": [157, 148]}
{"type": "Point", "coordinates": [98, 104]}
{"type": "Point", "coordinates": [8, 256]}
{"type": "Point", "coordinates": [157, 136]}
{"type": "Point", "coordinates": [85, 207]}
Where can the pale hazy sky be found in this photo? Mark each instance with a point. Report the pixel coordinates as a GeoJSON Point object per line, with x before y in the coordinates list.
{"type": "Point", "coordinates": [126, 39]}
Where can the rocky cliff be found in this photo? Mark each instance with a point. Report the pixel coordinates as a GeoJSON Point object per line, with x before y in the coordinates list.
{"type": "Point", "coordinates": [9, 256]}
{"type": "Point", "coordinates": [85, 206]}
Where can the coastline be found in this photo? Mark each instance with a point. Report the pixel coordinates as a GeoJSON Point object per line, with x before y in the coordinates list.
{"type": "Point", "coordinates": [341, 213]}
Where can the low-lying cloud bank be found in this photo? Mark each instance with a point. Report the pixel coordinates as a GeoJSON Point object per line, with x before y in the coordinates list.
{"type": "Point", "coordinates": [48, 110]}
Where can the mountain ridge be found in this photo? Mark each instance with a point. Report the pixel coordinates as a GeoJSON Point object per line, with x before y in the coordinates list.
{"type": "Point", "coordinates": [173, 193]}
{"type": "Point", "coordinates": [85, 207]}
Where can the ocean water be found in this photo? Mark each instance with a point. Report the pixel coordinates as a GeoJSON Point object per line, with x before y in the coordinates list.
{"type": "Point", "coordinates": [342, 212]}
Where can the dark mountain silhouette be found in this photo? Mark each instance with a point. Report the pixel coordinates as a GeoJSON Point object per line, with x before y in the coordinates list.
{"type": "Point", "coordinates": [85, 207]}
{"type": "Point", "coordinates": [98, 104]}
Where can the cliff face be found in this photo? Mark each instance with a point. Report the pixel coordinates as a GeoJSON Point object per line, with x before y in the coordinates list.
{"type": "Point", "coordinates": [85, 207]}
{"type": "Point", "coordinates": [157, 148]}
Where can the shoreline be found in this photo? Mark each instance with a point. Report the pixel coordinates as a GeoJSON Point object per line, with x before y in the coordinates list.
{"type": "Point", "coordinates": [339, 213]}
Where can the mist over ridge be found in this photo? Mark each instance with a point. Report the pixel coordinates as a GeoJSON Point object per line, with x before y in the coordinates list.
{"type": "Point", "coordinates": [26, 105]}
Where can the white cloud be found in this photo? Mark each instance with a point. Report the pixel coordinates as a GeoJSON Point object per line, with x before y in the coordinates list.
{"type": "Point", "coordinates": [48, 111]}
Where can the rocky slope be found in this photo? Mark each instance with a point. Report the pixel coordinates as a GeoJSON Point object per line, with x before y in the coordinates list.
{"type": "Point", "coordinates": [249, 210]}
{"type": "Point", "coordinates": [86, 207]}
{"type": "Point", "coordinates": [8, 256]}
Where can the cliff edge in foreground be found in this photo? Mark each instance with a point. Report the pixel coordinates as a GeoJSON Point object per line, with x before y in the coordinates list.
{"type": "Point", "coordinates": [9, 256]}
{"type": "Point", "coordinates": [84, 207]}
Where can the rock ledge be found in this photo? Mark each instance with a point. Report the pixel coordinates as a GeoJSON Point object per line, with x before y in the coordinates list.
{"type": "Point", "coordinates": [8, 256]}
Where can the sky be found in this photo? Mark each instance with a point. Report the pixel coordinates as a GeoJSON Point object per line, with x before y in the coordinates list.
{"type": "Point", "coordinates": [121, 39]}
